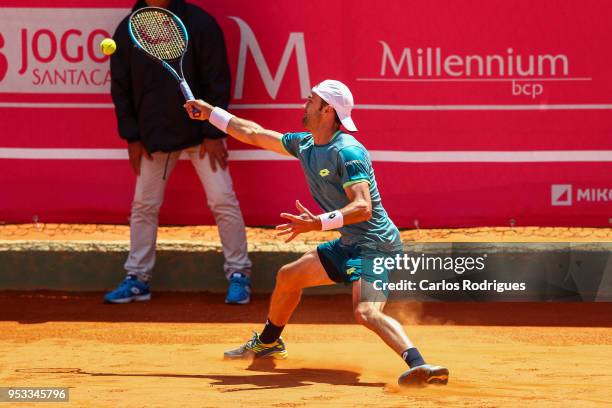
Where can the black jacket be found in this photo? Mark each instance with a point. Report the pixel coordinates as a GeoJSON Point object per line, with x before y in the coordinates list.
{"type": "Point", "coordinates": [148, 100]}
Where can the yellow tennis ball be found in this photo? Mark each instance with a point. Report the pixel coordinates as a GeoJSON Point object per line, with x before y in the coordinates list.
{"type": "Point", "coordinates": [108, 46]}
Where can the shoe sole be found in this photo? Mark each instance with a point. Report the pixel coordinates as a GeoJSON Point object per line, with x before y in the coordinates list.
{"type": "Point", "coordinates": [281, 355]}
{"type": "Point", "coordinates": [425, 376]}
{"type": "Point", "coordinates": [239, 302]}
{"type": "Point", "coordinates": [139, 298]}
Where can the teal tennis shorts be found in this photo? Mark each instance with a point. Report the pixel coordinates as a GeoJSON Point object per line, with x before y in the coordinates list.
{"type": "Point", "coordinates": [348, 263]}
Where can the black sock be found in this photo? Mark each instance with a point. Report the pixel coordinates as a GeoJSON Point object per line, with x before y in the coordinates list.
{"type": "Point", "coordinates": [412, 357]}
{"type": "Point", "coordinates": [270, 333]}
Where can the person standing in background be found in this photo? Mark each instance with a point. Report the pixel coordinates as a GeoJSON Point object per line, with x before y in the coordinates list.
{"type": "Point", "coordinates": [151, 119]}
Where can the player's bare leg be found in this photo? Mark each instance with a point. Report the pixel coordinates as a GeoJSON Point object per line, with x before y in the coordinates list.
{"type": "Point", "coordinates": [370, 314]}
{"type": "Point", "coordinates": [290, 280]}
{"type": "Point", "coordinates": [368, 311]}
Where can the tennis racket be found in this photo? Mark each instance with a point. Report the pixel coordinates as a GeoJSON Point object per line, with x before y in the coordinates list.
{"type": "Point", "coordinates": [161, 35]}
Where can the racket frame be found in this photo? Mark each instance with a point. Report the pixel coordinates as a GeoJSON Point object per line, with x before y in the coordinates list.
{"type": "Point", "coordinates": [185, 89]}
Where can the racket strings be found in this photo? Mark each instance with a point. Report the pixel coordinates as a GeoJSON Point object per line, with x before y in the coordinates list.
{"type": "Point", "coordinates": [159, 34]}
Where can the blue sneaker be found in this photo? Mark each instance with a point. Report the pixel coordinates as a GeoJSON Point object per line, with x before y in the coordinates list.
{"type": "Point", "coordinates": [131, 289]}
{"type": "Point", "coordinates": [239, 291]}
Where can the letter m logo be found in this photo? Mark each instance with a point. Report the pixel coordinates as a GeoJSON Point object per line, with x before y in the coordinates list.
{"type": "Point", "coordinates": [248, 42]}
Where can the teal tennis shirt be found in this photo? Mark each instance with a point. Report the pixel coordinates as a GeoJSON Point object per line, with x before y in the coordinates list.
{"type": "Point", "coordinates": [334, 166]}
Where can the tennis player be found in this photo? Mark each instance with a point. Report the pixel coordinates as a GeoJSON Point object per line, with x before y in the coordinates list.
{"type": "Point", "coordinates": [341, 179]}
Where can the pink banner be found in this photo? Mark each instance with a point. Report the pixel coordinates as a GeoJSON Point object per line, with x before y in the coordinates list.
{"type": "Point", "coordinates": [475, 112]}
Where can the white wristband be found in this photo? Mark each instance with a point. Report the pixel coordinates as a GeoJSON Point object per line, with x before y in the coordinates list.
{"type": "Point", "coordinates": [331, 220]}
{"type": "Point", "coordinates": [220, 118]}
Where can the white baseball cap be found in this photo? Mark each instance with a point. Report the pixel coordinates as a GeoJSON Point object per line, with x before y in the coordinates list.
{"type": "Point", "coordinates": [340, 98]}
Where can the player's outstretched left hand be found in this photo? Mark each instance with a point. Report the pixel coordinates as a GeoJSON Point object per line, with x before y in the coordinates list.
{"type": "Point", "coordinates": [298, 224]}
{"type": "Point", "coordinates": [204, 107]}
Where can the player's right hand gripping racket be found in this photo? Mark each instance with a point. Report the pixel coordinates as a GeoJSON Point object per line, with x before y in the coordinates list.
{"type": "Point", "coordinates": [161, 35]}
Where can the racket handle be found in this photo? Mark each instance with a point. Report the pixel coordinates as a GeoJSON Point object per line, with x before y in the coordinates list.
{"type": "Point", "coordinates": [189, 97]}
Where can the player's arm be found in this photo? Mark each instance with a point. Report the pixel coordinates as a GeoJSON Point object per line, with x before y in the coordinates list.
{"type": "Point", "coordinates": [354, 169]}
{"type": "Point", "coordinates": [359, 209]}
{"type": "Point", "coordinates": [244, 130]}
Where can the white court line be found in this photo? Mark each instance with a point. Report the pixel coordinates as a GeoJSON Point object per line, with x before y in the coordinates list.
{"type": "Point", "coordinates": [384, 107]}
{"type": "Point", "coordinates": [531, 156]}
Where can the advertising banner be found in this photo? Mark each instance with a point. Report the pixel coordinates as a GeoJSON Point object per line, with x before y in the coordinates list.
{"type": "Point", "coordinates": [476, 113]}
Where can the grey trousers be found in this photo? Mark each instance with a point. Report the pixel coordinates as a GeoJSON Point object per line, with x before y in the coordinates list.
{"type": "Point", "coordinates": [149, 196]}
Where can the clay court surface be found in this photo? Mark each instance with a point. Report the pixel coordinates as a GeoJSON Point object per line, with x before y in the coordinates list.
{"type": "Point", "coordinates": [168, 353]}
